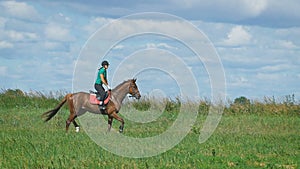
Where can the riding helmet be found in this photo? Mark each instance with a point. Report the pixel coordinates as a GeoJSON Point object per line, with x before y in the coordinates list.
{"type": "Point", "coordinates": [105, 63]}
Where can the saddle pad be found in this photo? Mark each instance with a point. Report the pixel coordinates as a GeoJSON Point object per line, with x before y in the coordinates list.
{"type": "Point", "coordinates": [93, 99]}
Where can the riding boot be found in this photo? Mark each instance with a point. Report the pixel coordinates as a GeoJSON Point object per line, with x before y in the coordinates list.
{"type": "Point", "coordinates": [102, 106]}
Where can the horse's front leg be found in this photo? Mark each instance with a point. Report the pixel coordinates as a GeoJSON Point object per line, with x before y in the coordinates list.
{"type": "Point", "coordinates": [110, 119]}
{"type": "Point", "coordinates": [115, 115]}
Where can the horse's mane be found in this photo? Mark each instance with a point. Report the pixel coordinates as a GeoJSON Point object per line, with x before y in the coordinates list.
{"type": "Point", "coordinates": [119, 86]}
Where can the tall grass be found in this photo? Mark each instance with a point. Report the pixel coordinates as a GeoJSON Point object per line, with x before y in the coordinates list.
{"type": "Point", "coordinates": [269, 105]}
{"type": "Point", "coordinates": [18, 99]}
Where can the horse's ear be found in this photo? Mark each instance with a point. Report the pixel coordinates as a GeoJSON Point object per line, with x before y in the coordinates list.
{"type": "Point", "coordinates": [134, 80]}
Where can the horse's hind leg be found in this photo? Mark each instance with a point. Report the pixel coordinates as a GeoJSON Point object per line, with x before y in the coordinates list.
{"type": "Point", "coordinates": [75, 125]}
{"type": "Point", "coordinates": [115, 115]}
{"type": "Point", "coordinates": [110, 119]}
{"type": "Point", "coordinates": [79, 112]}
{"type": "Point", "coordinates": [74, 122]}
{"type": "Point", "coordinates": [70, 120]}
{"type": "Point", "coordinates": [72, 115]}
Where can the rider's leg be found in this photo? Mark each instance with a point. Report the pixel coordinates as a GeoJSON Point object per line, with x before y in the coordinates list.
{"type": "Point", "coordinates": [100, 91]}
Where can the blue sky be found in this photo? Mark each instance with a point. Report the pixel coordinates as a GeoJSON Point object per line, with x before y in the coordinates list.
{"type": "Point", "coordinates": [258, 42]}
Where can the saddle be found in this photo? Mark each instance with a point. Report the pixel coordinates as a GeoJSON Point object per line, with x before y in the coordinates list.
{"type": "Point", "coordinates": [95, 95]}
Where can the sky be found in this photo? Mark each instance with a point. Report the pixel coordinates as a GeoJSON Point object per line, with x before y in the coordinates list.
{"type": "Point", "coordinates": [257, 41]}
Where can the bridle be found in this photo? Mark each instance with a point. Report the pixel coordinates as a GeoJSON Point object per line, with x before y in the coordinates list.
{"type": "Point", "coordinates": [133, 91]}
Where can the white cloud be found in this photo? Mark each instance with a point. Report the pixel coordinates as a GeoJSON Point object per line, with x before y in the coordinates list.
{"type": "Point", "coordinates": [5, 44]}
{"type": "Point", "coordinates": [55, 46]}
{"type": "Point", "coordinates": [259, 12]}
{"type": "Point", "coordinates": [2, 22]}
{"type": "Point", "coordinates": [160, 45]}
{"type": "Point", "coordinates": [21, 36]}
{"type": "Point", "coordinates": [9, 37]}
{"type": "Point", "coordinates": [230, 8]}
{"type": "Point", "coordinates": [95, 24]}
{"type": "Point", "coordinates": [58, 32]}
{"type": "Point", "coordinates": [238, 36]}
{"type": "Point", "coordinates": [238, 81]}
{"type": "Point", "coordinates": [15, 36]}
{"type": "Point", "coordinates": [51, 45]}
{"type": "Point", "coordinates": [3, 70]}
{"type": "Point", "coordinates": [287, 44]}
{"type": "Point", "coordinates": [65, 18]}
{"type": "Point", "coordinates": [278, 67]}
{"type": "Point", "coordinates": [61, 19]}
{"type": "Point", "coordinates": [268, 13]}
{"type": "Point", "coordinates": [20, 10]}
{"type": "Point", "coordinates": [252, 7]}
{"type": "Point", "coordinates": [268, 76]}
{"type": "Point", "coordinates": [164, 26]}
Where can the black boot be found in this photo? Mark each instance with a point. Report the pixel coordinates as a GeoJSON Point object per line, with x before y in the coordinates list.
{"type": "Point", "coordinates": [102, 106]}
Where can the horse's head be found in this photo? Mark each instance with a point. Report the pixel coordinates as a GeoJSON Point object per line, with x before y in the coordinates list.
{"type": "Point", "coordinates": [133, 89]}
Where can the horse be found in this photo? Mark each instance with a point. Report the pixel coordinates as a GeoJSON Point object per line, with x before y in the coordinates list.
{"type": "Point", "coordinates": [79, 104]}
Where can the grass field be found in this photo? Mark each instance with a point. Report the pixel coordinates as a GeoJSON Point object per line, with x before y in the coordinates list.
{"type": "Point", "coordinates": [242, 140]}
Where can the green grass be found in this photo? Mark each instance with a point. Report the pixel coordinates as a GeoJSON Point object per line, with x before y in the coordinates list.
{"type": "Point", "coordinates": [257, 140]}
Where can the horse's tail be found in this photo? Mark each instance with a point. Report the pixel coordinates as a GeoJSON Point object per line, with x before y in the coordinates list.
{"type": "Point", "coordinates": [49, 114]}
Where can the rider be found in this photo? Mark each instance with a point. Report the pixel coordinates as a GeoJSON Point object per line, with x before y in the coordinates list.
{"type": "Point", "coordinates": [100, 81]}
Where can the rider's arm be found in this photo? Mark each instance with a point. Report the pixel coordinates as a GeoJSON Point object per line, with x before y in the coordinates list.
{"type": "Point", "coordinates": [103, 80]}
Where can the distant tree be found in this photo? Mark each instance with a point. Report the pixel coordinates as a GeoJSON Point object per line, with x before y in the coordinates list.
{"type": "Point", "coordinates": [242, 101]}
{"type": "Point", "coordinates": [14, 93]}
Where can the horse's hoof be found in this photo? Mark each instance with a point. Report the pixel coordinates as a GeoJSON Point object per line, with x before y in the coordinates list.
{"type": "Point", "coordinates": [121, 129]}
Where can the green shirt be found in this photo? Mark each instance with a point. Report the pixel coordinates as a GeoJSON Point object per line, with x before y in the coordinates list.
{"type": "Point", "coordinates": [102, 70]}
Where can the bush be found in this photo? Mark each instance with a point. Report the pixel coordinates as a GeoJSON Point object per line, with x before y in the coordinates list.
{"type": "Point", "coordinates": [18, 99]}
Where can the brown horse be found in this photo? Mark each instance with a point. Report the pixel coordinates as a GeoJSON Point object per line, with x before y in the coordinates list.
{"type": "Point", "coordinates": [79, 104]}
